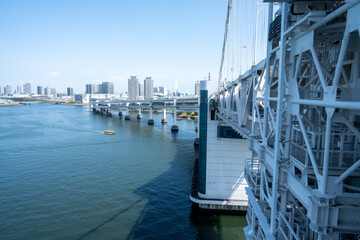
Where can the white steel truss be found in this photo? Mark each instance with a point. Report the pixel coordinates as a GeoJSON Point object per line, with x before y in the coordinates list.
{"type": "Point", "coordinates": [300, 110]}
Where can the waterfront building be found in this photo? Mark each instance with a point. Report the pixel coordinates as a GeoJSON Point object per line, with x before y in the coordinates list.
{"type": "Point", "coordinates": [18, 89]}
{"type": "Point", "coordinates": [40, 90]}
{"type": "Point", "coordinates": [70, 91]}
{"type": "Point", "coordinates": [141, 89]}
{"type": "Point", "coordinates": [47, 91]}
{"type": "Point", "coordinates": [163, 90]}
{"type": "Point", "coordinates": [27, 88]}
{"type": "Point", "coordinates": [107, 88]}
{"type": "Point", "coordinates": [133, 88]}
{"type": "Point", "coordinates": [78, 98]}
{"type": "Point", "coordinates": [148, 88]}
{"type": "Point", "coordinates": [7, 89]}
{"type": "Point", "coordinates": [156, 90]}
{"type": "Point", "coordinates": [197, 88]}
{"type": "Point", "coordinates": [53, 92]}
{"type": "Point", "coordinates": [89, 89]}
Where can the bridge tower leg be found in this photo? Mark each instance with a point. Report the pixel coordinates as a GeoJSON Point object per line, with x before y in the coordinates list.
{"type": "Point", "coordinates": [108, 111]}
{"type": "Point", "coordinates": [139, 116]}
{"type": "Point", "coordinates": [164, 120]}
{"type": "Point", "coordinates": [127, 115]}
{"type": "Point", "coordinates": [151, 120]}
{"type": "Point", "coordinates": [197, 139]}
{"type": "Point", "coordinates": [175, 128]}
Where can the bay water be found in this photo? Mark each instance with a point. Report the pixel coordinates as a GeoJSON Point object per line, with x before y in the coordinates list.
{"type": "Point", "coordinates": [62, 178]}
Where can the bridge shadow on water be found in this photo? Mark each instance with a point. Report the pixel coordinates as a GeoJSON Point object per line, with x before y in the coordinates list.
{"type": "Point", "coordinates": [168, 212]}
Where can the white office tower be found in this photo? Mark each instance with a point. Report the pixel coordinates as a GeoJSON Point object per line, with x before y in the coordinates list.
{"type": "Point", "coordinates": [197, 88]}
{"type": "Point", "coordinates": [141, 89]}
{"type": "Point", "coordinates": [148, 88]}
{"type": "Point", "coordinates": [176, 88]}
{"type": "Point", "coordinates": [27, 88]}
{"type": "Point", "coordinates": [133, 88]}
{"type": "Point", "coordinates": [220, 168]}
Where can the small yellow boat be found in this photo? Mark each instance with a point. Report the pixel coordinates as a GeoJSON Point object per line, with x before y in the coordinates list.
{"type": "Point", "coordinates": [109, 132]}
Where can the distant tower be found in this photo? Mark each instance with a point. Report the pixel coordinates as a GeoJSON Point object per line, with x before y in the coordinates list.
{"type": "Point", "coordinates": [40, 90]}
{"type": "Point", "coordinates": [141, 89]}
{"type": "Point", "coordinates": [133, 88]}
{"type": "Point", "coordinates": [27, 88]}
{"type": "Point", "coordinates": [197, 88]}
{"type": "Point", "coordinates": [148, 88]}
{"type": "Point", "coordinates": [18, 89]}
{"type": "Point", "coordinates": [47, 91]}
{"type": "Point", "coordinates": [107, 87]}
{"type": "Point", "coordinates": [70, 91]}
{"type": "Point", "coordinates": [7, 89]}
{"type": "Point", "coordinates": [176, 88]}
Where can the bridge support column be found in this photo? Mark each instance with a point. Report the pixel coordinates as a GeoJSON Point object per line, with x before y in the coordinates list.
{"type": "Point", "coordinates": [175, 127]}
{"type": "Point", "coordinates": [197, 139]}
{"type": "Point", "coordinates": [164, 120]}
{"type": "Point", "coordinates": [120, 113]}
{"type": "Point", "coordinates": [151, 120]}
{"type": "Point", "coordinates": [127, 115]}
{"type": "Point", "coordinates": [108, 111]}
{"type": "Point", "coordinates": [139, 116]}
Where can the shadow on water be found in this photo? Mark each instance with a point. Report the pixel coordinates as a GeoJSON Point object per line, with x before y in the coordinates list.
{"type": "Point", "coordinates": [110, 219]}
{"type": "Point", "coordinates": [166, 214]}
{"type": "Point", "coordinates": [169, 213]}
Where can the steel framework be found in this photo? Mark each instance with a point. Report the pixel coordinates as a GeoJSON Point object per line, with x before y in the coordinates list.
{"type": "Point", "coordinates": [300, 111]}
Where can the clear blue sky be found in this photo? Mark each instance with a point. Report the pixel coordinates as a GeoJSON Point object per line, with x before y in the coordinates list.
{"type": "Point", "coordinates": [71, 43]}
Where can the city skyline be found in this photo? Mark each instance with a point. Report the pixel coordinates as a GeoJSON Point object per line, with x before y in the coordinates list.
{"type": "Point", "coordinates": [61, 44]}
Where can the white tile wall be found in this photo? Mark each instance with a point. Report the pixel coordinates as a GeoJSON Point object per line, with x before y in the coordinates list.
{"type": "Point", "coordinates": [225, 166]}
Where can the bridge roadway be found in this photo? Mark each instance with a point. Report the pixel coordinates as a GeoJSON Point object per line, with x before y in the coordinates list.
{"type": "Point", "coordinates": [176, 104]}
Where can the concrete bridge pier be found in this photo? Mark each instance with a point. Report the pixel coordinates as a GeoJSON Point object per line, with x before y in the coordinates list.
{"type": "Point", "coordinates": [175, 127]}
{"type": "Point", "coordinates": [164, 120]}
{"type": "Point", "coordinates": [108, 111]}
{"type": "Point", "coordinates": [139, 116]}
{"type": "Point", "coordinates": [151, 120]}
{"type": "Point", "coordinates": [127, 115]}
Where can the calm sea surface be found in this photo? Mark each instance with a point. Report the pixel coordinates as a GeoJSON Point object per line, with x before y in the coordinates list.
{"type": "Point", "coordinates": [61, 178]}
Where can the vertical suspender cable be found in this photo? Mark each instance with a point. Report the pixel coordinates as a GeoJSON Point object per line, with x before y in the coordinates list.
{"type": "Point", "coordinates": [224, 44]}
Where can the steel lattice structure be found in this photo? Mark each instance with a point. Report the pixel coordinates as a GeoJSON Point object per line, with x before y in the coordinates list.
{"type": "Point", "coordinates": [300, 111]}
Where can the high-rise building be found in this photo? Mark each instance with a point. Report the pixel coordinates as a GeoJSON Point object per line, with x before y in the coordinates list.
{"type": "Point", "coordinates": [133, 88]}
{"type": "Point", "coordinates": [97, 88]}
{"type": "Point", "coordinates": [7, 89]}
{"type": "Point", "coordinates": [53, 91]}
{"type": "Point", "coordinates": [163, 90]}
{"type": "Point", "coordinates": [40, 90]}
{"type": "Point", "coordinates": [148, 88]}
{"type": "Point", "coordinates": [107, 87]}
{"type": "Point", "coordinates": [18, 89]}
{"type": "Point", "coordinates": [27, 88]}
{"type": "Point", "coordinates": [141, 89]}
{"type": "Point", "coordinates": [92, 88]}
{"type": "Point", "coordinates": [70, 91]}
{"type": "Point", "coordinates": [47, 91]}
{"type": "Point", "coordinates": [197, 88]}
{"type": "Point", "coordinates": [89, 89]}
{"type": "Point", "coordinates": [156, 90]}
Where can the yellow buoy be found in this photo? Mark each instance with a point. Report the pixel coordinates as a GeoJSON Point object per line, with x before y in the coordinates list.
{"type": "Point", "coordinates": [109, 132]}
